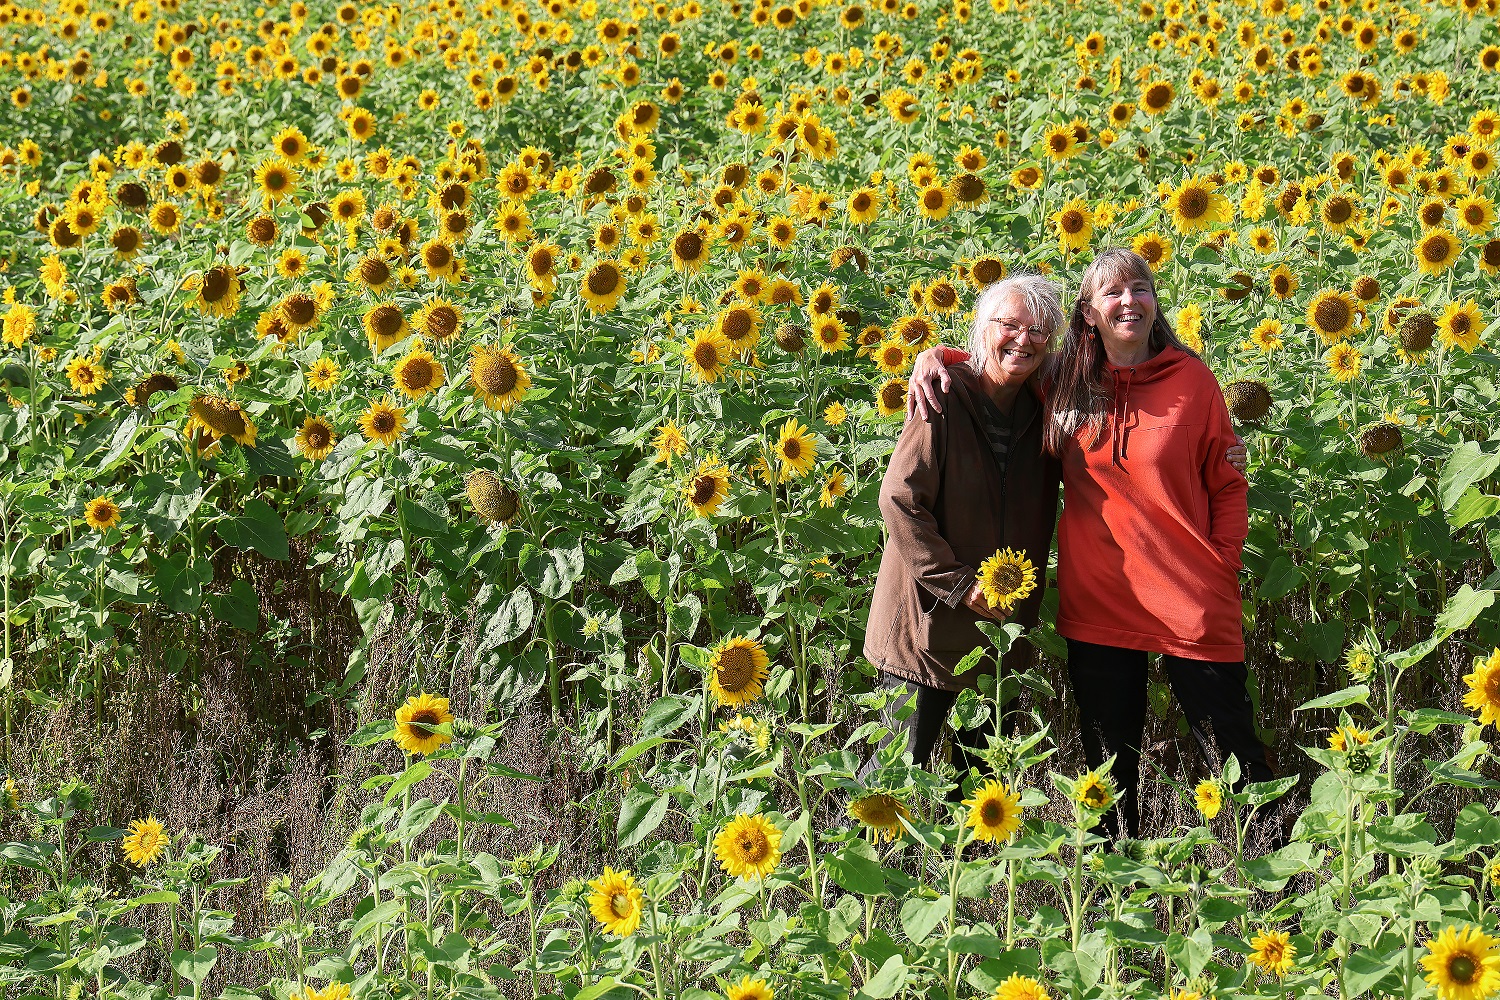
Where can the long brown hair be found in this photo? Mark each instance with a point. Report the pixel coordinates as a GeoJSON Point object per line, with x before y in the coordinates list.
{"type": "Point", "coordinates": [1080, 396]}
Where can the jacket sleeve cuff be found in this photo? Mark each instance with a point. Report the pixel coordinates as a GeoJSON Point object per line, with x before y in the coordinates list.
{"type": "Point", "coordinates": [956, 596]}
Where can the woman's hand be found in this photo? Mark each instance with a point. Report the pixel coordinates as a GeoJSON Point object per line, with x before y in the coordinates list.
{"type": "Point", "coordinates": [979, 604]}
{"type": "Point", "coordinates": [929, 380]}
{"type": "Point", "coordinates": [1237, 455]}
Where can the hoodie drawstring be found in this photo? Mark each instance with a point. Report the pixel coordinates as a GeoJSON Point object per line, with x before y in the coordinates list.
{"type": "Point", "coordinates": [1119, 416]}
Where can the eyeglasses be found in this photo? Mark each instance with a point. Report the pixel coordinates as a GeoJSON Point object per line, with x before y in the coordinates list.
{"type": "Point", "coordinates": [1010, 329]}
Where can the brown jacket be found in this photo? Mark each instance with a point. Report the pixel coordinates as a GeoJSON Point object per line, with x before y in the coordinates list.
{"type": "Point", "coordinates": [947, 509]}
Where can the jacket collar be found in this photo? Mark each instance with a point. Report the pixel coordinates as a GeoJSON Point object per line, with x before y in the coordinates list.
{"type": "Point", "coordinates": [968, 389]}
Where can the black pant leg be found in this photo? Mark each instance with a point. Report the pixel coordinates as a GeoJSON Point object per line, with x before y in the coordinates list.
{"type": "Point", "coordinates": [1110, 686]}
{"type": "Point", "coordinates": [1214, 699]}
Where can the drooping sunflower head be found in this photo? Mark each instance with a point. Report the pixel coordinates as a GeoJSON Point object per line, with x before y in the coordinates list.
{"type": "Point", "coordinates": [1006, 578]}
{"type": "Point", "coordinates": [994, 812]}
{"type": "Point", "coordinates": [748, 847]}
{"type": "Point", "coordinates": [881, 814]}
{"type": "Point", "coordinates": [221, 417]}
{"type": "Point", "coordinates": [492, 500]}
{"type": "Point", "coordinates": [417, 723]}
{"type": "Point", "coordinates": [616, 902]}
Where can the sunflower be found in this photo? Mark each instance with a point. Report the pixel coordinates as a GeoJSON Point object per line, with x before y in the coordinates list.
{"type": "Point", "coordinates": [299, 311]}
{"type": "Point", "coordinates": [707, 353]}
{"type": "Point", "coordinates": [1273, 951]}
{"type": "Point", "coordinates": [219, 417]}
{"type": "Point", "coordinates": [1006, 578]}
{"type": "Point", "coordinates": [934, 202]}
{"type": "Point", "coordinates": [1436, 251]}
{"type": "Point", "coordinates": [737, 672]}
{"type": "Point", "coordinates": [994, 812]}
{"type": "Point", "coordinates": [1209, 798]}
{"type": "Point", "coordinates": [101, 513]}
{"type": "Point", "coordinates": [748, 847]}
{"type": "Point", "coordinates": [276, 180]}
{"type": "Point", "coordinates": [1283, 283]}
{"type": "Point", "coordinates": [373, 273]}
{"type": "Point", "coordinates": [740, 325]}
{"type": "Point", "coordinates": [1460, 325]}
{"type": "Point", "coordinates": [1154, 248]}
{"type": "Point", "coordinates": [385, 325]}
{"type": "Point", "coordinates": [165, 218]}
{"type": "Point", "coordinates": [87, 375]}
{"type": "Point", "coordinates": [749, 989]}
{"type": "Point", "coordinates": [890, 397]}
{"type": "Point", "coordinates": [616, 902]}
{"type": "Point", "coordinates": [417, 722]}
{"type": "Point", "coordinates": [1462, 964]}
{"type": "Point", "coordinates": [1196, 204]}
{"type": "Point", "coordinates": [1332, 314]}
{"type": "Point", "coordinates": [1484, 689]}
{"type": "Point", "coordinates": [541, 265]}
{"type": "Point", "coordinates": [1347, 737]}
{"type": "Point", "coordinates": [417, 374]}
{"type": "Point", "coordinates": [707, 488]}
{"type": "Point", "coordinates": [145, 842]}
{"type": "Point", "coordinates": [669, 442]}
{"type": "Point", "coordinates": [1060, 143]}
{"type": "Point", "coordinates": [1092, 791]}
{"type": "Point", "coordinates": [830, 333]}
{"type": "Point", "coordinates": [1157, 96]}
{"type": "Point", "coordinates": [796, 448]}
{"type": "Point", "coordinates": [1075, 225]}
{"type": "Point", "coordinates": [1344, 362]}
{"type": "Point", "coordinates": [892, 357]}
{"type": "Point", "coordinates": [290, 144]}
{"type": "Point", "coordinates": [864, 206]}
{"type": "Point", "coordinates": [881, 814]}
{"type": "Point", "coordinates": [1019, 987]}
{"type": "Point", "coordinates": [218, 290]}
{"type": "Point", "coordinates": [689, 251]}
{"type": "Point", "coordinates": [603, 286]}
{"type": "Point", "coordinates": [323, 375]}
{"type": "Point", "coordinates": [382, 422]}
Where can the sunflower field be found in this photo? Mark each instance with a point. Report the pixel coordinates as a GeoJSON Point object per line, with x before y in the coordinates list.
{"type": "Point", "coordinates": [448, 366]}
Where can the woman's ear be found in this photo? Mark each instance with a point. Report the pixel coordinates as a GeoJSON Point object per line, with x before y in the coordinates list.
{"type": "Point", "coordinates": [1090, 315]}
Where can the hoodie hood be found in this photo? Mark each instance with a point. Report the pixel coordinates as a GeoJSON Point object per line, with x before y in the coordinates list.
{"type": "Point", "coordinates": [1168, 362]}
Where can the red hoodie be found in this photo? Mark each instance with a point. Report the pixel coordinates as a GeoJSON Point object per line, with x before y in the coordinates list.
{"type": "Point", "coordinates": [1154, 518]}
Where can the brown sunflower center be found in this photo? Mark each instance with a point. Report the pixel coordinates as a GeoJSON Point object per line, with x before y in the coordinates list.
{"type": "Point", "coordinates": [1007, 578]}
{"type": "Point", "coordinates": [1435, 248]}
{"type": "Point", "coordinates": [736, 669]}
{"type": "Point", "coordinates": [603, 279]}
{"type": "Point", "coordinates": [219, 415]}
{"type": "Point", "coordinates": [498, 376]}
{"type": "Point", "coordinates": [437, 256]}
{"type": "Point", "coordinates": [442, 322]}
{"type": "Point", "coordinates": [1331, 315]}
{"type": "Point", "coordinates": [704, 488]}
{"type": "Point", "coordinates": [892, 396]}
{"type": "Point", "coordinates": [384, 422]}
{"type": "Point", "coordinates": [1338, 210]}
{"type": "Point", "coordinates": [992, 812]}
{"type": "Point", "coordinates": [987, 272]}
{"type": "Point", "coordinates": [317, 435]}
{"type": "Point", "coordinates": [418, 373]}
{"type": "Point", "coordinates": [299, 308]}
{"type": "Point", "coordinates": [374, 271]}
{"type": "Point", "coordinates": [386, 320]}
{"type": "Point", "coordinates": [1072, 221]}
{"type": "Point", "coordinates": [706, 355]}
{"type": "Point", "coordinates": [752, 845]}
{"type": "Point", "coordinates": [216, 284]}
{"type": "Point", "coordinates": [737, 324]}
{"type": "Point", "coordinates": [688, 246]}
{"type": "Point", "coordinates": [1193, 203]}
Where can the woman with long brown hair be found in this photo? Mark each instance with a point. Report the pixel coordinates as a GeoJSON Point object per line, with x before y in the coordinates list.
{"type": "Point", "coordinates": [1154, 517]}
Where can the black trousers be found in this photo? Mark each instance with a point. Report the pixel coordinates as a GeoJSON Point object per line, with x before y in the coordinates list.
{"type": "Point", "coordinates": [924, 727]}
{"type": "Point", "coordinates": [1110, 685]}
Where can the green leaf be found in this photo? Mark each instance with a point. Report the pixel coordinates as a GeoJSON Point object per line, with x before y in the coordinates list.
{"type": "Point", "coordinates": [1426, 720]}
{"type": "Point", "coordinates": [969, 662]}
{"type": "Point", "coordinates": [1459, 612]}
{"type": "Point", "coordinates": [194, 966]}
{"type": "Point", "coordinates": [855, 869]}
{"type": "Point", "coordinates": [257, 527]}
{"type": "Point", "coordinates": [381, 914]}
{"type": "Point", "coordinates": [1282, 577]}
{"type": "Point", "coordinates": [409, 777]}
{"type": "Point", "coordinates": [239, 607]}
{"type": "Point", "coordinates": [417, 818]}
{"type": "Point", "coordinates": [510, 620]}
{"type": "Point", "coordinates": [1476, 827]}
{"type": "Point", "coordinates": [1473, 506]}
{"type": "Point", "coordinates": [633, 751]}
{"type": "Point", "coordinates": [641, 813]}
{"type": "Point", "coordinates": [552, 571]}
{"type": "Point", "coordinates": [888, 979]}
{"type": "Point", "coordinates": [920, 916]}
{"type": "Point", "coordinates": [1359, 694]}
{"type": "Point", "coordinates": [1364, 969]}
{"type": "Point", "coordinates": [667, 714]}
{"type": "Point", "coordinates": [1191, 954]}
{"type": "Point", "coordinates": [1466, 465]}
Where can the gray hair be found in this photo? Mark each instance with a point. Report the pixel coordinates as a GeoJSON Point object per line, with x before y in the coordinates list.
{"type": "Point", "coordinates": [1043, 299]}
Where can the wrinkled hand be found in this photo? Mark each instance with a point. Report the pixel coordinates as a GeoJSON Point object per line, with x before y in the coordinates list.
{"type": "Point", "coordinates": [929, 380]}
{"type": "Point", "coordinates": [1237, 455]}
{"type": "Point", "coordinates": [980, 605]}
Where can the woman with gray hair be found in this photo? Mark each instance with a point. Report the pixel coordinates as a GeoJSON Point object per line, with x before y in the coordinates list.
{"type": "Point", "coordinates": [972, 481]}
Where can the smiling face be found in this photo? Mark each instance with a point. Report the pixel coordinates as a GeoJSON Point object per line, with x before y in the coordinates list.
{"type": "Point", "coordinates": [1122, 309]}
{"type": "Point", "coordinates": [1014, 354]}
